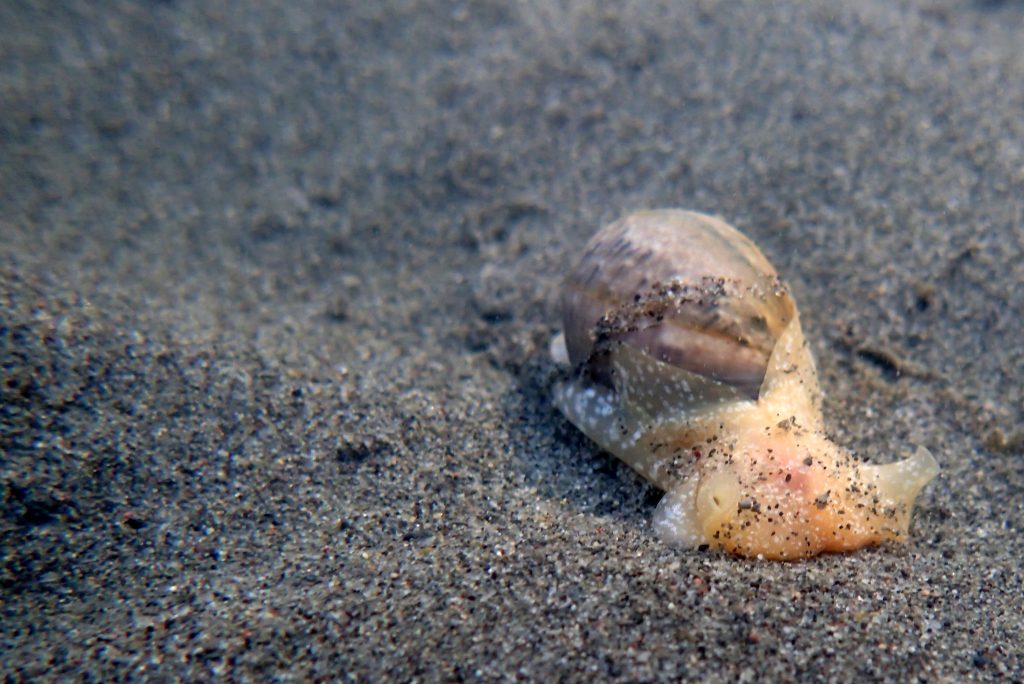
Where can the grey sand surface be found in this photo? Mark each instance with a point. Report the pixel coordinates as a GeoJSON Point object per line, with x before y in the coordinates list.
{"type": "Point", "coordinates": [277, 282]}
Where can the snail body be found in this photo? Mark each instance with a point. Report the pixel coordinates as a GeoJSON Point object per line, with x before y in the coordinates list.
{"type": "Point", "coordinates": [690, 365]}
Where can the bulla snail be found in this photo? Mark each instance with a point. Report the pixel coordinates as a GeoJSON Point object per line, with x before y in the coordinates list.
{"type": "Point", "coordinates": [691, 367]}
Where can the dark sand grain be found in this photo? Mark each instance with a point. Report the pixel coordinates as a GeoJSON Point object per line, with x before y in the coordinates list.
{"type": "Point", "coordinates": [277, 281]}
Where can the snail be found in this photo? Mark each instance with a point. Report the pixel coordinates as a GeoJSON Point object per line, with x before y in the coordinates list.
{"type": "Point", "coordinates": [690, 366]}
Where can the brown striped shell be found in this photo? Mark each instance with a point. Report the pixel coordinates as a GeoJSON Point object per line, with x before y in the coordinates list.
{"type": "Point", "coordinates": [684, 288]}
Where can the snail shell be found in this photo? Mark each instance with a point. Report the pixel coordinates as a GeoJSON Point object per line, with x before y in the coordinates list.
{"type": "Point", "coordinates": [690, 366]}
{"type": "Point", "coordinates": [685, 288]}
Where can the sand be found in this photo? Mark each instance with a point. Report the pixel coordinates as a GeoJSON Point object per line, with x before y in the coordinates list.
{"type": "Point", "coordinates": [277, 282]}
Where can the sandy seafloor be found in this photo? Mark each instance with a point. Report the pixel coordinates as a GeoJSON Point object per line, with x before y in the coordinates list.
{"type": "Point", "coordinates": [277, 281]}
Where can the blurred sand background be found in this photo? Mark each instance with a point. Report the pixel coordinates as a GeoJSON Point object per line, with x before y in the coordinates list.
{"type": "Point", "coordinates": [277, 281]}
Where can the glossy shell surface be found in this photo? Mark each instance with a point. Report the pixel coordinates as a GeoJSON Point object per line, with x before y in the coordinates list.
{"type": "Point", "coordinates": [685, 288]}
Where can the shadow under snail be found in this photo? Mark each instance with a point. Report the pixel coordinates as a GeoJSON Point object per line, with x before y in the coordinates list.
{"type": "Point", "coordinates": [690, 366]}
